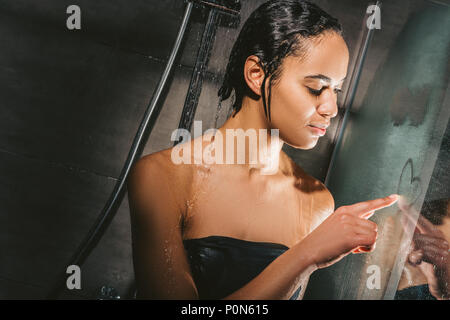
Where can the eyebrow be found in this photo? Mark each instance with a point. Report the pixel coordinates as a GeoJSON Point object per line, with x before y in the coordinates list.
{"type": "Point", "coordinates": [321, 77]}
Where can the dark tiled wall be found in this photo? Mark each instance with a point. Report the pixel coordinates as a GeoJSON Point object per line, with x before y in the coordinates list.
{"type": "Point", "coordinates": [71, 102]}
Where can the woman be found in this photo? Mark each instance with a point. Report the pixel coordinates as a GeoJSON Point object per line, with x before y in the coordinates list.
{"type": "Point", "coordinates": [228, 230]}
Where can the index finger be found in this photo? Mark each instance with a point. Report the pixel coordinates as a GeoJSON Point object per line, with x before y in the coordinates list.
{"type": "Point", "coordinates": [361, 209]}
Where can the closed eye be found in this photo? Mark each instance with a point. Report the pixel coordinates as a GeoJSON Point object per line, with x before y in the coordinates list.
{"type": "Point", "coordinates": [316, 92]}
{"type": "Point", "coordinates": [319, 92]}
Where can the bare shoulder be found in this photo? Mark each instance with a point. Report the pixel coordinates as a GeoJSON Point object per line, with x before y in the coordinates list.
{"type": "Point", "coordinates": [156, 176]}
{"type": "Point", "coordinates": [323, 195]}
{"type": "Point", "coordinates": [313, 186]}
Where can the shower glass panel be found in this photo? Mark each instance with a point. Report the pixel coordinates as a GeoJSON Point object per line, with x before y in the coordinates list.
{"type": "Point", "coordinates": [391, 143]}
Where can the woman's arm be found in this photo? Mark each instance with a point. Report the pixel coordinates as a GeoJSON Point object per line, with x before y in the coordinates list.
{"type": "Point", "coordinates": [345, 230]}
{"type": "Point", "coordinates": [280, 279]}
{"type": "Point", "coordinates": [160, 263]}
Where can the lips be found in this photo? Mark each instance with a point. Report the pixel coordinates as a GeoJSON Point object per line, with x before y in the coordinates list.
{"type": "Point", "coordinates": [320, 125]}
{"type": "Point", "coordinates": [318, 130]}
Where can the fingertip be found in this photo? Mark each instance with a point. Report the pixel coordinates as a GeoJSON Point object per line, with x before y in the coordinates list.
{"type": "Point", "coordinates": [357, 250]}
{"type": "Point", "coordinates": [365, 249]}
{"type": "Point", "coordinates": [393, 198]}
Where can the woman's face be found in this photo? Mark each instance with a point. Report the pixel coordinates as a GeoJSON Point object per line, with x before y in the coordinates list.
{"type": "Point", "coordinates": [306, 93]}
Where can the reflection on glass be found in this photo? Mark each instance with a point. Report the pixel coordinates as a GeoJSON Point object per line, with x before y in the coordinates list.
{"type": "Point", "coordinates": [426, 274]}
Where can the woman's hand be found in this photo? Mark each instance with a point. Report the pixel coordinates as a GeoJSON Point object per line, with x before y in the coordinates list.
{"type": "Point", "coordinates": [430, 253]}
{"type": "Point", "coordinates": [346, 230]}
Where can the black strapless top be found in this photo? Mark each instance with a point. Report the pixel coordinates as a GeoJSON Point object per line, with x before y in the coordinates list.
{"type": "Point", "coordinates": [221, 265]}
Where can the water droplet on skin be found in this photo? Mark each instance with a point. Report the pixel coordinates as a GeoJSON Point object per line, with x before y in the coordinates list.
{"type": "Point", "coordinates": [189, 204]}
{"type": "Point", "coordinates": [202, 174]}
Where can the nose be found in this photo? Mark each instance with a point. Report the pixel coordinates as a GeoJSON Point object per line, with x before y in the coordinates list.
{"type": "Point", "coordinates": [328, 104]}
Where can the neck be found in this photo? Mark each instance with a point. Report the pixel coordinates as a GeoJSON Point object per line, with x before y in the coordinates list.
{"type": "Point", "coordinates": [251, 123]}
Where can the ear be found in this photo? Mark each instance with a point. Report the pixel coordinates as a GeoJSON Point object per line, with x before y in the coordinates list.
{"type": "Point", "coordinates": [254, 74]}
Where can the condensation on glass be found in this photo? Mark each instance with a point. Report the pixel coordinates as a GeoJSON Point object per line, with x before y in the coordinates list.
{"type": "Point", "coordinates": [391, 145]}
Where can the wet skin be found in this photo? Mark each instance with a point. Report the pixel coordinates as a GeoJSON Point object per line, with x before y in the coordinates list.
{"type": "Point", "coordinates": [169, 203]}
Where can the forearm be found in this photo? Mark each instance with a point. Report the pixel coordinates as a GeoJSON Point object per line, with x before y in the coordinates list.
{"type": "Point", "coordinates": [281, 278]}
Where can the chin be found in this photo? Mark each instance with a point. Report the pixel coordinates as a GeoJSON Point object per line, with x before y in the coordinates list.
{"type": "Point", "coordinates": [304, 145]}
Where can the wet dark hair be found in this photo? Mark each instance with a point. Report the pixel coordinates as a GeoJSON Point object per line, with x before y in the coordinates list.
{"type": "Point", "coordinates": [275, 30]}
